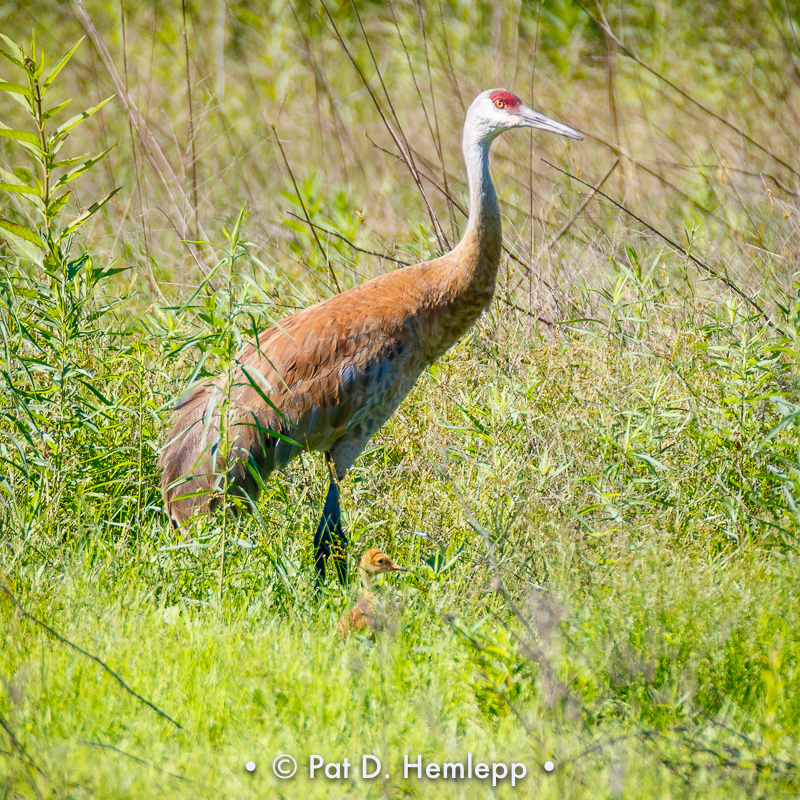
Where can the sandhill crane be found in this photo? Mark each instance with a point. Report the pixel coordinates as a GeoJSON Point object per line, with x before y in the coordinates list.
{"type": "Point", "coordinates": [326, 378]}
{"type": "Point", "coordinates": [365, 613]}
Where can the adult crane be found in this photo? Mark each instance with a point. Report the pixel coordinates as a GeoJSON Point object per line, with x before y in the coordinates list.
{"type": "Point", "coordinates": [326, 378]}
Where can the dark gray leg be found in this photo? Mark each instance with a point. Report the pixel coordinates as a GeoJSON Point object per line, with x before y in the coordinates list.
{"type": "Point", "coordinates": [328, 530]}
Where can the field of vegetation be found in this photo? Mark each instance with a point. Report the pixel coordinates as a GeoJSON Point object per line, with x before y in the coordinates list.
{"type": "Point", "coordinates": [595, 493]}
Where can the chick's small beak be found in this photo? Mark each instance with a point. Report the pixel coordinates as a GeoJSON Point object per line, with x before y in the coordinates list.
{"type": "Point", "coordinates": [533, 119]}
{"type": "Point", "coordinates": [396, 568]}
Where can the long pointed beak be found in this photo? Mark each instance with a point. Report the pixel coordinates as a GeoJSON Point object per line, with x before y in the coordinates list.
{"type": "Point", "coordinates": [533, 119]}
{"type": "Point", "coordinates": [397, 568]}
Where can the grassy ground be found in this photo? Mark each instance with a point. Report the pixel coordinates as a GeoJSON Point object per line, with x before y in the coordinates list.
{"type": "Point", "coordinates": [596, 492]}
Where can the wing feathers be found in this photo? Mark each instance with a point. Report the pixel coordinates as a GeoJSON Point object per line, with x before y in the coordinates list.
{"type": "Point", "coordinates": [311, 379]}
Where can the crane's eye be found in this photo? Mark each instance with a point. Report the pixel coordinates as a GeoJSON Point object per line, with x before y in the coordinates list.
{"type": "Point", "coordinates": [500, 103]}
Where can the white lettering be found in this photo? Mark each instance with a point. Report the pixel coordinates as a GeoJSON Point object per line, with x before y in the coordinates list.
{"type": "Point", "coordinates": [453, 768]}
{"type": "Point", "coordinates": [407, 766]}
{"type": "Point", "coordinates": [371, 768]}
{"type": "Point", "coordinates": [336, 770]}
{"type": "Point", "coordinates": [372, 774]}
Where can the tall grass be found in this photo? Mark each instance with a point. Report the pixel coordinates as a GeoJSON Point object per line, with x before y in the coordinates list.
{"type": "Point", "coordinates": [596, 492]}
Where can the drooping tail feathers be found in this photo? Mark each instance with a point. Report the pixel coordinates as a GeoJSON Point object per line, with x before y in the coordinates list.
{"type": "Point", "coordinates": [203, 459]}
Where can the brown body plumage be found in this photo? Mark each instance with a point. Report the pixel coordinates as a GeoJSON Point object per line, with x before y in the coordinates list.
{"type": "Point", "coordinates": [328, 377]}
{"type": "Point", "coordinates": [334, 373]}
{"type": "Point", "coordinates": [365, 613]}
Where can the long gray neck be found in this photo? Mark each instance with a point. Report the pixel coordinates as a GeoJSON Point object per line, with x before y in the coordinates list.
{"type": "Point", "coordinates": [484, 214]}
{"type": "Point", "coordinates": [467, 275]}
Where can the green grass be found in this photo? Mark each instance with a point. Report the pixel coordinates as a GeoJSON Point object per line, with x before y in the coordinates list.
{"type": "Point", "coordinates": [599, 517]}
{"type": "Point", "coordinates": [657, 661]}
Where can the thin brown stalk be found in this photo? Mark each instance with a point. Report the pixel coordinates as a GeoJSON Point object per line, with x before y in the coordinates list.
{"type": "Point", "coordinates": [348, 242]}
{"type": "Point", "coordinates": [220, 48]}
{"type": "Point", "coordinates": [437, 137]}
{"type": "Point", "coordinates": [312, 63]}
{"type": "Point", "coordinates": [660, 178]}
{"type": "Point", "coordinates": [568, 224]}
{"type": "Point", "coordinates": [707, 268]}
{"type": "Point", "coordinates": [604, 26]}
{"type": "Point", "coordinates": [136, 157]}
{"type": "Point", "coordinates": [791, 25]}
{"type": "Point", "coordinates": [536, 315]}
{"type": "Point", "coordinates": [158, 161]}
{"type": "Point", "coordinates": [422, 103]}
{"type": "Point", "coordinates": [299, 195]}
{"type": "Point", "coordinates": [451, 73]}
{"type": "Point", "coordinates": [193, 159]}
{"type": "Point", "coordinates": [781, 35]}
{"type": "Point", "coordinates": [344, 141]}
{"type": "Point", "coordinates": [402, 144]}
{"type": "Point", "coordinates": [15, 743]}
{"type": "Point", "coordinates": [612, 103]}
{"type": "Point", "coordinates": [530, 156]}
{"type": "Point", "coordinates": [517, 38]}
{"type": "Point", "coordinates": [528, 270]}
{"type": "Point", "coordinates": [83, 652]}
{"type": "Point", "coordinates": [595, 189]}
{"type": "Point", "coordinates": [150, 764]}
{"type": "Point", "coordinates": [151, 64]}
{"type": "Point", "coordinates": [463, 211]}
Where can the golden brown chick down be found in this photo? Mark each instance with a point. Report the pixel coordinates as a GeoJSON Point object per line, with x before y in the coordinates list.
{"type": "Point", "coordinates": [365, 613]}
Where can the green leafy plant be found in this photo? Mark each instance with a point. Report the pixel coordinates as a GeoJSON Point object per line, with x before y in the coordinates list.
{"type": "Point", "coordinates": [42, 239]}
{"type": "Point", "coordinates": [49, 293]}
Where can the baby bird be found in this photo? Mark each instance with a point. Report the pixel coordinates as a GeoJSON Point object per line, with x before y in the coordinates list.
{"type": "Point", "coordinates": [365, 613]}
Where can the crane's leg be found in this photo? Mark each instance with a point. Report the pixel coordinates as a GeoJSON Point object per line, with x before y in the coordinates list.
{"type": "Point", "coordinates": [330, 538]}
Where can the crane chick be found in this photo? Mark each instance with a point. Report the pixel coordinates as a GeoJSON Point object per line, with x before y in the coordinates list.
{"type": "Point", "coordinates": [366, 613]}
{"type": "Point", "coordinates": [327, 377]}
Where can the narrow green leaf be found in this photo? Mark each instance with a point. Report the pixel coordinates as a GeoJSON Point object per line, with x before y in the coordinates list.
{"type": "Point", "coordinates": [78, 118]}
{"type": "Point", "coordinates": [39, 66]}
{"type": "Point", "coordinates": [54, 148]}
{"type": "Point", "coordinates": [11, 58]}
{"type": "Point", "coordinates": [82, 217]}
{"type": "Point", "coordinates": [10, 177]}
{"type": "Point", "coordinates": [68, 162]}
{"type": "Point", "coordinates": [234, 237]}
{"type": "Point", "coordinates": [15, 49]}
{"type": "Point", "coordinates": [107, 271]}
{"type": "Point", "coordinates": [51, 112]}
{"type": "Point", "coordinates": [87, 165]}
{"type": "Point", "coordinates": [25, 102]}
{"type": "Point", "coordinates": [75, 266]}
{"type": "Point", "coordinates": [654, 463]}
{"type": "Point", "coordinates": [214, 270]}
{"type": "Point", "coordinates": [20, 188]}
{"type": "Point", "coordinates": [20, 136]}
{"type": "Point", "coordinates": [9, 182]}
{"type": "Point", "coordinates": [57, 204]}
{"type": "Point", "coordinates": [61, 63]}
{"type": "Point", "coordinates": [16, 88]}
{"type": "Point", "coordinates": [24, 242]}
{"type": "Point", "coordinates": [23, 232]}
